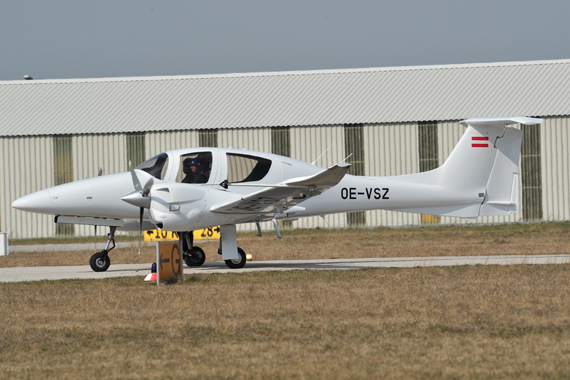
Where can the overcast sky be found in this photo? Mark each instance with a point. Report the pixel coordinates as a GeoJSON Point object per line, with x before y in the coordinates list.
{"type": "Point", "coordinates": [84, 39]}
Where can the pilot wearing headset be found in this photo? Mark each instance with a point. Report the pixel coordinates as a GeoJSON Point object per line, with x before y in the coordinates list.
{"type": "Point", "coordinates": [192, 168]}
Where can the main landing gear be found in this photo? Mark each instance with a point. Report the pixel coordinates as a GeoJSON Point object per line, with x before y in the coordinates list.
{"type": "Point", "coordinates": [239, 262]}
{"type": "Point", "coordinates": [100, 261]}
{"type": "Point", "coordinates": [194, 256]}
{"type": "Point", "coordinates": [233, 256]}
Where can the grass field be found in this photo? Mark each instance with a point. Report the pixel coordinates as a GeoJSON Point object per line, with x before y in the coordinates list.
{"type": "Point", "coordinates": [459, 322]}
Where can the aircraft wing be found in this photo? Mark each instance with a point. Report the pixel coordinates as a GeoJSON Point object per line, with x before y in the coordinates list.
{"type": "Point", "coordinates": [282, 197]}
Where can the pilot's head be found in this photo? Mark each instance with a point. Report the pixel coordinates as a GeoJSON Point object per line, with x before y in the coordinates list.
{"type": "Point", "coordinates": [191, 165]}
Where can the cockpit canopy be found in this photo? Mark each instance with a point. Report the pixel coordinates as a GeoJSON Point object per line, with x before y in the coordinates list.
{"type": "Point", "coordinates": [197, 166]}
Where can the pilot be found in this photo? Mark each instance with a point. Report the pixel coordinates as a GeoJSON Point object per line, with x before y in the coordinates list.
{"type": "Point", "coordinates": [191, 167]}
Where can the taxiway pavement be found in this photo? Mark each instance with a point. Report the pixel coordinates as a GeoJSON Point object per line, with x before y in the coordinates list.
{"type": "Point", "coordinates": [19, 274]}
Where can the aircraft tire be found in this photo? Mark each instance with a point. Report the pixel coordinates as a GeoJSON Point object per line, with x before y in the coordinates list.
{"type": "Point", "coordinates": [238, 263]}
{"type": "Point", "coordinates": [98, 264]}
{"type": "Point", "coordinates": [196, 258]}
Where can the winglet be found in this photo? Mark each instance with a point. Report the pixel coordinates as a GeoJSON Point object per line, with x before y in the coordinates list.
{"type": "Point", "coordinates": [329, 177]}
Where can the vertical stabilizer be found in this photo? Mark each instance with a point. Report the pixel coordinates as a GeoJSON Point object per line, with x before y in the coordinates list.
{"type": "Point", "coordinates": [487, 158]}
{"type": "Point", "coordinates": [480, 176]}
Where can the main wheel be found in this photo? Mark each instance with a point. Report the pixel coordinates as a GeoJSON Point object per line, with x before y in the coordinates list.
{"type": "Point", "coordinates": [239, 262]}
{"type": "Point", "coordinates": [100, 261]}
{"type": "Point", "coordinates": [195, 258]}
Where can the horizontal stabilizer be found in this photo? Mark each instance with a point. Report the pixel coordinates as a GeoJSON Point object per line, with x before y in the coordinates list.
{"type": "Point", "coordinates": [499, 121]}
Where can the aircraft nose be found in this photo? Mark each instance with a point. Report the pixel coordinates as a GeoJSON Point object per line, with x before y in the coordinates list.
{"type": "Point", "coordinates": [36, 202]}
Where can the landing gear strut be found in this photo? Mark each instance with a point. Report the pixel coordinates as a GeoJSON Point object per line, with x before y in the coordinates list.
{"type": "Point", "coordinates": [100, 261]}
{"type": "Point", "coordinates": [193, 256]}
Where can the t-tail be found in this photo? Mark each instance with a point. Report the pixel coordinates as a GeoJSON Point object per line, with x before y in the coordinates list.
{"type": "Point", "coordinates": [480, 177]}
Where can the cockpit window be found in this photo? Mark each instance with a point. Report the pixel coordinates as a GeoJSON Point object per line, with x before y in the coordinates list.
{"type": "Point", "coordinates": [155, 166]}
{"type": "Point", "coordinates": [244, 168]}
{"type": "Point", "coordinates": [195, 168]}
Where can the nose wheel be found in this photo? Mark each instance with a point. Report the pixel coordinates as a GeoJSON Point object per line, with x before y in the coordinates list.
{"type": "Point", "coordinates": [100, 261]}
{"type": "Point", "coordinates": [193, 256]}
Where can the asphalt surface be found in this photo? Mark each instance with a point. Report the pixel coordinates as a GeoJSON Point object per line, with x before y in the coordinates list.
{"type": "Point", "coordinates": [123, 270]}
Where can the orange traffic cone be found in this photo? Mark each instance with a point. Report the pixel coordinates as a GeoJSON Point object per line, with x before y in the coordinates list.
{"type": "Point", "coordinates": [152, 275]}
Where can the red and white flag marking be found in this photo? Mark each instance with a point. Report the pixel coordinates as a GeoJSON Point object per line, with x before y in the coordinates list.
{"type": "Point", "coordinates": [480, 142]}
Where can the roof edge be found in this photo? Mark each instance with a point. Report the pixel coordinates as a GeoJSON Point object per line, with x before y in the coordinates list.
{"type": "Point", "coordinates": [285, 73]}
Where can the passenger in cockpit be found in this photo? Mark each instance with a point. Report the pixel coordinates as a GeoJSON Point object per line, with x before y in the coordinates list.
{"type": "Point", "coordinates": [192, 167]}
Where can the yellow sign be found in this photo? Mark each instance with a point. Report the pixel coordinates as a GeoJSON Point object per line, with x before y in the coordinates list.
{"type": "Point", "coordinates": [168, 262]}
{"type": "Point", "coordinates": [158, 235]}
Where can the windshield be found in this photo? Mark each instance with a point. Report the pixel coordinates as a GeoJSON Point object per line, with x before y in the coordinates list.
{"type": "Point", "coordinates": [155, 166]}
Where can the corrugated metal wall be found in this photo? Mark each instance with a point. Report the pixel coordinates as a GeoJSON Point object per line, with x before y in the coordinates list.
{"type": "Point", "coordinates": [246, 138]}
{"type": "Point", "coordinates": [63, 173]}
{"type": "Point", "coordinates": [90, 152]}
{"type": "Point", "coordinates": [312, 143]}
{"type": "Point", "coordinates": [27, 166]}
{"type": "Point", "coordinates": [354, 148]}
{"type": "Point", "coordinates": [555, 138]}
{"type": "Point", "coordinates": [389, 149]}
{"type": "Point", "coordinates": [158, 142]}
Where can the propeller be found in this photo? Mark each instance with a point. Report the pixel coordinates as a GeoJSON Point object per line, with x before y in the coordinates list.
{"type": "Point", "coordinates": [140, 198]}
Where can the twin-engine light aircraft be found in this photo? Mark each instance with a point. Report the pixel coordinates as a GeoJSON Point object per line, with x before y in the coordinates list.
{"type": "Point", "coordinates": [196, 188]}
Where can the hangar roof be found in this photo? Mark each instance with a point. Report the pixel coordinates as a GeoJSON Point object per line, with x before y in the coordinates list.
{"type": "Point", "coordinates": [298, 98]}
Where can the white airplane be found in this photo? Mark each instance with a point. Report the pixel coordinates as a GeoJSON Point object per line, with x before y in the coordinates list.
{"type": "Point", "coordinates": [196, 188]}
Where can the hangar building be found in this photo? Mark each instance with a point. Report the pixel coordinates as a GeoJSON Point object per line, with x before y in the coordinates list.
{"type": "Point", "coordinates": [395, 120]}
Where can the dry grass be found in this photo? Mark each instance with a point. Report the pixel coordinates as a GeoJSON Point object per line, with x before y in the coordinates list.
{"type": "Point", "coordinates": [461, 322]}
{"type": "Point", "coordinates": [515, 239]}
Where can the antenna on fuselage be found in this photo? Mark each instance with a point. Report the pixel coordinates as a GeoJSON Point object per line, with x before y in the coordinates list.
{"type": "Point", "coordinates": [347, 157]}
{"type": "Point", "coordinates": [322, 154]}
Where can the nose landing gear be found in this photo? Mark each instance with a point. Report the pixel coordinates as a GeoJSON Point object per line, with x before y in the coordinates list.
{"type": "Point", "coordinates": [193, 256]}
{"type": "Point", "coordinates": [100, 261]}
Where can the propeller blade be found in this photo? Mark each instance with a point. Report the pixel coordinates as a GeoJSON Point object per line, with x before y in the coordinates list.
{"type": "Point", "coordinates": [147, 187]}
{"type": "Point", "coordinates": [141, 229]}
{"type": "Point", "coordinates": [100, 171]}
{"type": "Point", "coordinates": [136, 182]}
